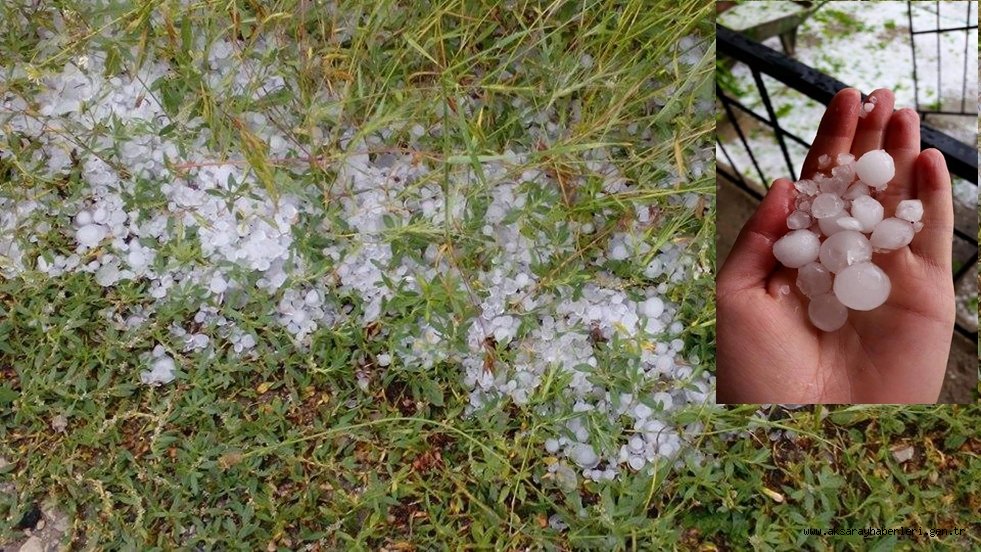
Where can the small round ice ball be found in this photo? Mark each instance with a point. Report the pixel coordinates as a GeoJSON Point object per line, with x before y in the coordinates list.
{"type": "Point", "coordinates": [856, 190]}
{"type": "Point", "coordinates": [892, 233]}
{"type": "Point", "coordinates": [849, 223]}
{"type": "Point", "coordinates": [845, 249]}
{"type": "Point", "coordinates": [814, 279]}
{"type": "Point", "coordinates": [584, 455]}
{"type": "Point", "coordinates": [875, 168]}
{"type": "Point", "coordinates": [837, 183]}
{"type": "Point", "coordinates": [652, 308]}
{"type": "Point", "coordinates": [797, 248]}
{"type": "Point", "coordinates": [910, 209]}
{"type": "Point", "coordinates": [136, 258]}
{"type": "Point", "coordinates": [862, 286]}
{"type": "Point", "coordinates": [827, 313]}
{"type": "Point", "coordinates": [806, 187]}
{"type": "Point", "coordinates": [90, 235]}
{"type": "Point", "coordinates": [830, 225]}
{"type": "Point", "coordinates": [867, 211]}
{"type": "Point", "coordinates": [82, 218]}
{"type": "Point", "coordinates": [218, 284]}
{"type": "Point", "coordinates": [798, 220]}
{"type": "Point", "coordinates": [826, 205]}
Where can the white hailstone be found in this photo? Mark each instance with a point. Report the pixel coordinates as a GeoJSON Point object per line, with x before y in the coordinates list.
{"type": "Point", "coordinates": [862, 286]}
{"type": "Point", "coordinates": [636, 462]}
{"type": "Point", "coordinates": [831, 185]}
{"type": "Point", "coordinates": [829, 226]}
{"type": "Point", "coordinates": [652, 307]}
{"type": "Point", "coordinates": [892, 233]}
{"type": "Point", "coordinates": [845, 159]}
{"type": "Point", "coordinates": [806, 187]}
{"type": "Point", "coordinates": [82, 218]}
{"type": "Point", "coordinates": [797, 248]}
{"type": "Point", "coordinates": [867, 211]}
{"type": "Point", "coordinates": [161, 370]}
{"type": "Point", "coordinates": [107, 275]}
{"type": "Point", "coordinates": [814, 279]}
{"type": "Point", "coordinates": [384, 359]}
{"type": "Point", "coordinates": [856, 190]}
{"type": "Point", "coordinates": [635, 444]}
{"type": "Point", "coordinates": [798, 220]}
{"type": "Point", "coordinates": [826, 205]}
{"type": "Point", "coordinates": [917, 226]}
{"type": "Point", "coordinates": [217, 284]}
{"type": "Point", "coordinates": [844, 175]}
{"type": "Point", "coordinates": [584, 456]}
{"type": "Point", "coordinates": [827, 313]}
{"type": "Point", "coordinates": [552, 446]}
{"type": "Point", "coordinates": [312, 298]}
{"type": "Point", "coordinates": [910, 209]}
{"type": "Point", "coordinates": [642, 411]}
{"type": "Point", "coordinates": [90, 235]}
{"type": "Point", "coordinates": [619, 252]}
{"type": "Point", "coordinates": [665, 399]}
{"type": "Point", "coordinates": [100, 215]}
{"type": "Point", "coordinates": [849, 223]}
{"type": "Point", "coordinates": [875, 168]}
{"type": "Point", "coordinates": [824, 161]}
{"type": "Point", "coordinates": [845, 249]}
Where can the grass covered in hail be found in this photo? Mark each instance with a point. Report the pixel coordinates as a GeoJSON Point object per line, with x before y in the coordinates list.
{"type": "Point", "coordinates": [297, 275]}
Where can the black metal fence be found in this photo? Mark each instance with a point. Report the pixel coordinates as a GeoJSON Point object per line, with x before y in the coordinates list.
{"type": "Point", "coordinates": [962, 159]}
{"type": "Point", "coordinates": [920, 30]}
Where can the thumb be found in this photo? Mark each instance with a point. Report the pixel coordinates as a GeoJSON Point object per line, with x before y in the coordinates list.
{"type": "Point", "coordinates": [751, 260]}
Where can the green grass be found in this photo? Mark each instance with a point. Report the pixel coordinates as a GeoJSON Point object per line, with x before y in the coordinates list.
{"type": "Point", "coordinates": [837, 22]}
{"type": "Point", "coordinates": [281, 448]}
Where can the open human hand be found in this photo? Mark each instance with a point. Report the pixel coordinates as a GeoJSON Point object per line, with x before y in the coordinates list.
{"type": "Point", "coordinates": [769, 352]}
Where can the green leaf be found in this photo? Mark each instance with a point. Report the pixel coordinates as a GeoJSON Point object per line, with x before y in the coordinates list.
{"type": "Point", "coordinates": [7, 395]}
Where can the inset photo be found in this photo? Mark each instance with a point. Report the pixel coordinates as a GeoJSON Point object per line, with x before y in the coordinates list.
{"type": "Point", "coordinates": [848, 211]}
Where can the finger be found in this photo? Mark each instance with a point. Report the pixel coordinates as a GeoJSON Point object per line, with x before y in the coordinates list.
{"type": "Point", "coordinates": [782, 285]}
{"type": "Point", "coordinates": [933, 188]}
{"type": "Point", "coordinates": [751, 259]}
{"type": "Point", "coordinates": [870, 130]}
{"type": "Point", "coordinates": [902, 142]}
{"type": "Point", "coordinates": [836, 131]}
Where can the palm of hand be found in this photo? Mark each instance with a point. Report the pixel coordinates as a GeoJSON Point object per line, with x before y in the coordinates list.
{"type": "Point", "coordinates": [768, 349]}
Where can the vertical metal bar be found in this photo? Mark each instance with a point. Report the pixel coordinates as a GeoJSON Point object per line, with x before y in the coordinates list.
{"type": "Point", "coordinates": [732, 164]}
{"type": "Point", "coordinates": [967, 37]}
{"type": "Point", "coordinates": [940, 65]}
{"type": "Point", "coordinates": [739, 131]}
{"type": "Point", "coordinates": [773, 119]}
{"type": "Point", "coordinates": [912, 43]}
